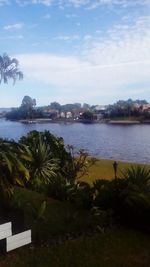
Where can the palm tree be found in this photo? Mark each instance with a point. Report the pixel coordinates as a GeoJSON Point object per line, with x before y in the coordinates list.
{"type": "Point", "coordinates": [9, 69]}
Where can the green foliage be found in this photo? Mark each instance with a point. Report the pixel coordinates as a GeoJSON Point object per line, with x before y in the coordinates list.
{"type": "Point", "coordinates": [12, 170]}
{"type": "Point", "coordinates": [57, 188]}
{"type": "Point", "coordinates": [138, 176]}
{"type": "Point", "coordinates": [38, 212]}
{"type": "Point", "coordinates": [76, 164]}
{"type": "Point", "coordinates": [42, 166]}
{"type": "Point", "coordinates": [52, 163]}
{"type": "Point", "coordinates": [128, 197]}
{"type": "Point", "coordinates": [27, 107]}
{"type": "Point", "coordinates": [81, 195]}
{"type": "Point", "coordinates": [87, 115]}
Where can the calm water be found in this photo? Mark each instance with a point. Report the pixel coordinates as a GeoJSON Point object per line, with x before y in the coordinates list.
{"type": "Point", "coordinates": [124, 142]}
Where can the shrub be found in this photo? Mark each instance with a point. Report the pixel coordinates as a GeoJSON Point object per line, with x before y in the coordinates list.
{"type": "Point", "coordinates": [128, 197]}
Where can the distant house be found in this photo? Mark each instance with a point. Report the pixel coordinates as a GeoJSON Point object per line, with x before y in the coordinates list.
{"type": "Point", "coordinates": [146, 108]}
{"type": "Point", "coordinates": [100, 108]}
{"type": "Point", "coordinates": [77, 113]}
{"type": "Point", "coordinates": [100, 111]}
{"type": "Point", "coordinates": [69, 114]}
{"type": "Point", "coordinates": [62, 115]}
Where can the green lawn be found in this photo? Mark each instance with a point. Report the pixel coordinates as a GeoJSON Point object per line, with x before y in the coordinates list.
{"type": "Point", "coordinates": [103, 169]}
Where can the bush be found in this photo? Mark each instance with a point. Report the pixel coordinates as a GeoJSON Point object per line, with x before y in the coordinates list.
{"type": "Point", "coordinates": [81, 194]}
{"type": "Point", "coordinates": [128, 197]}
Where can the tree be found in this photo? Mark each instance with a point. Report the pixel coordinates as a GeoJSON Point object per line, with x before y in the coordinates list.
{"type": "Point", "coordinates": [9, 69]}
{"type": "Point", "coordinates": [88, 115]}
{"type": "Point", "coordinates": [55, 105]}
{"type": "Point", "coordinates": [27, 106]}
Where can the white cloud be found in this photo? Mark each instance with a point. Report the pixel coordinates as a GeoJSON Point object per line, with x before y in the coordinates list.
{"type": "Point", "coordinates": [44, 2]}
{"type": "Point", "coordinates": [107, 67]}
{"type": "Point", "coordinates": [66, 37]}
{"type": "Point", "coordinates": [27, 2]}
{"type": "Point", "coordinates": [123, 3]}
{"type": "Point", "coordinates": [89, 4]}
{"type": "Point", "coordinates": [78, 3]}
{"type": "Point", "coordinates": [87, 37]}
{"type": "Point", "coordinates": [123, 44]}
{"type": "Point", "coordinates": [16, 26]}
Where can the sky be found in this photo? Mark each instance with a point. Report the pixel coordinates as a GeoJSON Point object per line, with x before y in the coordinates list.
{"type": "Point", "coordinates": [76, 51]}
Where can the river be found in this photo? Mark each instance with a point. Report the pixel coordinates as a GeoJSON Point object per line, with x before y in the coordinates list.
{"type": "Point", "coordinates": [119, 142]}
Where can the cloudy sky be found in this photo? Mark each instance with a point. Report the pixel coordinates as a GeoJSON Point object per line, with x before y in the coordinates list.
{"type": "Point", "coordinates": [88, 51]}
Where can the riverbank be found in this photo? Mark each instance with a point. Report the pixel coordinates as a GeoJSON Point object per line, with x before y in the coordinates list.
{"type": "Point", "coordinates": [108, 121]}
{"type": "Point", "coordinates": [124, 122]}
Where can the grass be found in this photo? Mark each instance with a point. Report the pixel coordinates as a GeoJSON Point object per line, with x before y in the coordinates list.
{"type": "Point", "coordinates": [103, 169]}
{"type": "Point", "coordinates": [58, 219]}
{"type": "Point", "coordinates": [119, 248]}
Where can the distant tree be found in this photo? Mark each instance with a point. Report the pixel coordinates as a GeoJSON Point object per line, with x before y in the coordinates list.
{"type": "Point", "coordinates": [85, 105]}
{"type": "Point", "coordinates": [27, 106]}
{"type": "Point", "coordinates": [87, 115]}
{"type": "Point", "coordinates": [78, 105]}
{"type": "Point", "coordinates": [55, 105]}
{"type": "Point", "coordinates": [9, 69]}
{"type": "Point", "coordinates": [28, 101]}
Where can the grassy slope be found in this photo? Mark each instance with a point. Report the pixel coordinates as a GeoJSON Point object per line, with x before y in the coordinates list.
{"type": "Point", "coordinates": [59, 217]}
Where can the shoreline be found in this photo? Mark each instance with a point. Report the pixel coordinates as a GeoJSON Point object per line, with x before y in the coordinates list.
{"type": "Point", "coordinates": [121, 161]}
{"type": "Point", "coordinates": [106, 121]}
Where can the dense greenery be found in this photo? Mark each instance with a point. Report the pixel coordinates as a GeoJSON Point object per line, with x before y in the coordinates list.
{"type": "Point", "coordinates": [126, 108]}
{"type": "Point", "coordinates": [41, 162]}
{"type": "Point", "coordinates": [25, 111]}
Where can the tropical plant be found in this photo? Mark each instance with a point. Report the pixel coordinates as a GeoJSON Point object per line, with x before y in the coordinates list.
{"type": "Point", "coordinates": [77, 164]}
{"type": "Point", "coordinates": [128, 197]}
{"type": "Point", "coordinates": [12, 170]}
{"type": "Point", "coordinates": [42, 166]}
{"type": "Point", "coordinates": [138, 176]}
{"type": "Point", "coordinates": [9, 69]}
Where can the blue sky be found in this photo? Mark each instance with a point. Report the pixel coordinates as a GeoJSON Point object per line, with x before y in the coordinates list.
{"type": "Point", "coordinates": [88, 51]}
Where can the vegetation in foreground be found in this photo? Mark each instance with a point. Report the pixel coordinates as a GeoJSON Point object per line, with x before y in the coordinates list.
{"type": "Point", "coordinates": [49, 184]}
{"type": "Point", "coordinates": [115, 246]}
{"type": "Point", "coordinates": [125, 248]}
